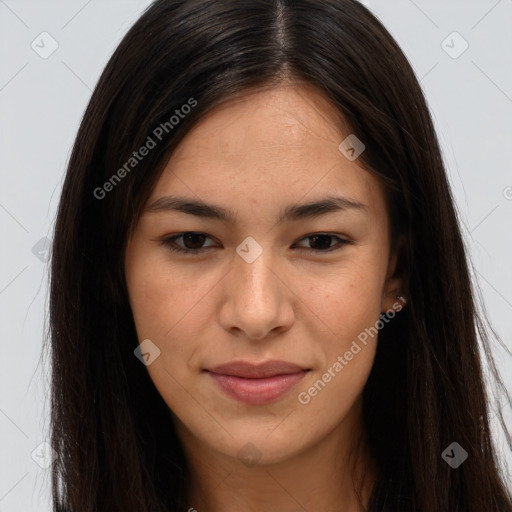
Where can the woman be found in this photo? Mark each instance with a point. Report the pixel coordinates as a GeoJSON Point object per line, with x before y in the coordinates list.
{"type": "Point", "coordinates": [208, 352]}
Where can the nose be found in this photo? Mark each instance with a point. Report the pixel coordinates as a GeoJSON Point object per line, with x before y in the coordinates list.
{"type": "Point", "coordinates": [257, 302]}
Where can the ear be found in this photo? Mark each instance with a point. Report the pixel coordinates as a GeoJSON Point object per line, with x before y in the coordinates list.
{"type": "Point", "coordinates": [392, 293]}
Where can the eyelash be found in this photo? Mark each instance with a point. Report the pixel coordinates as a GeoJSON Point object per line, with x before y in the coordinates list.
{"type": "Point", "coordinates": [169, 241]}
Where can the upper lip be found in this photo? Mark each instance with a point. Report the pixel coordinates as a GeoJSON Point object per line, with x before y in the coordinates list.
{"type": "Point", "coordinates": [256, 371]}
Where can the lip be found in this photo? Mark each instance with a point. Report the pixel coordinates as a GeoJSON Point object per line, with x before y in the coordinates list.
{"type": "Point", "coordinates": [257, 384]}
{"type": "Point", "coordinates": [249, 370]}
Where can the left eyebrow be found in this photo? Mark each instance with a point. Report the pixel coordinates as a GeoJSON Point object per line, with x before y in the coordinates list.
{"type": "Point", "coordinates": [292, 212]}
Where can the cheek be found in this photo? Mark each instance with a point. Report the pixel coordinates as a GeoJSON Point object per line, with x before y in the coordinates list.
{"type": "Point", "coordinates": [348, 308]}
{"type": "Point", "coordinates": [164, 304]}
{"type": "Point", "coordinates": [162, 295]}
{"type": "Point", "coordinates": [172, 309]}
{"type": "Point", "coordinates": [349, 300]}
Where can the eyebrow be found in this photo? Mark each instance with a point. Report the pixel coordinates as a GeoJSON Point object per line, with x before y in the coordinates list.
{"type": "Point", "coordinates": [292, 212]}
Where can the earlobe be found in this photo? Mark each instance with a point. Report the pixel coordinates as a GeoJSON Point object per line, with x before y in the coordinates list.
{"type": "Point", "coordinates": [392, 296]}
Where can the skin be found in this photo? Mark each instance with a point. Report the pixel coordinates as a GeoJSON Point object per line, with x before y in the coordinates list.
{"type": "Point", "coordinates": [254, 155]}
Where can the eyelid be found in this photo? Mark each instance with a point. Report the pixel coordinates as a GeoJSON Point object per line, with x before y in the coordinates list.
{"type": "Point", "coordinates": [168, 240]}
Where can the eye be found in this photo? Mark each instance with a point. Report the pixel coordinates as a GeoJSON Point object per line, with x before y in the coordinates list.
{"type": "Point", "coordinates": [196, 240]}
{"type": "Point", "coordinates": [189, 238]}
{"type": "Point", "coordinates": [322, 242]}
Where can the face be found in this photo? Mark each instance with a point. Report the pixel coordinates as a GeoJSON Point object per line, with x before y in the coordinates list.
{"type": "Point", "coordinates": [302, 290]}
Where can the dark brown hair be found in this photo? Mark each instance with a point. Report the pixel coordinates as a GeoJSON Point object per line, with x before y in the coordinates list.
{"type": "Point", "coordinates": [112, 432]}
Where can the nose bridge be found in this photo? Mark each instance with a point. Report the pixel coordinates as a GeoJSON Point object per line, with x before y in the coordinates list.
{"type": "Point", "coordinates": [253, 268]}
{"type": "Point", "coordinates": [255, 300]}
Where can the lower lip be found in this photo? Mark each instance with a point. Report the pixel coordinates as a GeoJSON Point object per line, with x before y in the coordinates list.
{"type": "Point", "coordinates": [257, 391]}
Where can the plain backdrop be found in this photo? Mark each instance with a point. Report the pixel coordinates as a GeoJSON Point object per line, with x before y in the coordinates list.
{"type": "Point", "coordinates": [52, 53]}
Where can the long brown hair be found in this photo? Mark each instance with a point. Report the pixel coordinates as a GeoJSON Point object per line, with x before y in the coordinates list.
{"type": "Point", "coordinates": [111, 430]}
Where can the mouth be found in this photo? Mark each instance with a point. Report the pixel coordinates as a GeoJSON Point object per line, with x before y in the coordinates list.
{"type": "Point", "coordinates": [257, 384]}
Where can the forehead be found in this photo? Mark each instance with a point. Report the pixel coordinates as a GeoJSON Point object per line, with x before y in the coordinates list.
{"type": "Point", "coordinates": [287, 116]}
{"type": "Point", "coordinates": [266, 148]}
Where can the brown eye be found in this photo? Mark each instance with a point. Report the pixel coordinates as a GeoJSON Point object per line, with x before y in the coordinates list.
{"type": "Point", "coordinates": [321, 242]}
{"type": "Point", "coordinates": [192, 242]}
{"type": "Point", "coordinates": [196, 240]}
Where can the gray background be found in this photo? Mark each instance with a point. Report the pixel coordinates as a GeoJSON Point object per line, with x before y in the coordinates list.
{"type": "Point", "coordinates": [42, 101]}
